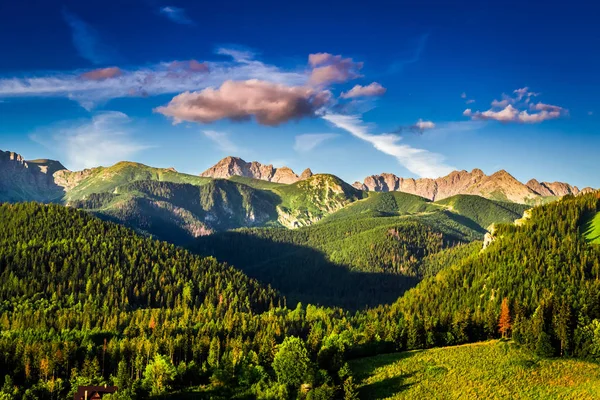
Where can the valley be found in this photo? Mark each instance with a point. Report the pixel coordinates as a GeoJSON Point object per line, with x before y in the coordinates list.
{"type": "Point", "coordinates": [246, 272]}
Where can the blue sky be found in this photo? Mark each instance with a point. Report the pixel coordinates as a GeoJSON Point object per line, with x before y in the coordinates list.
{"type": "Point", "coordinates": [412, 89]}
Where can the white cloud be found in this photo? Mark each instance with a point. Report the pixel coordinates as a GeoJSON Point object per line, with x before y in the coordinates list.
{"type": "Point", "coordinates": [105, 139]}
{"type": "Point", "coordinates": [514, 109]}
{"type": "Point", "coordinates": [223, 142]}
{"type": "Point", "coordinates": [418, 161]}
{"type": "Point", "coordinates": [307, 142]}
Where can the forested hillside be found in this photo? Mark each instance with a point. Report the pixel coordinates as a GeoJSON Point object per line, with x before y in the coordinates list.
{"type": "Point", "coordinates": [86, 301]}
{"type": "Point", "coordinates": [367, 253]}
{"type": "Point", "coordinates": [544, 268]}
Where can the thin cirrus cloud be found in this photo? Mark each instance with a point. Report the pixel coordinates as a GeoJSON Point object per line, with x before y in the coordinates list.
{"type": "Point", "coordinates": [271, 104]}
{"type": "Point", "coordinates": [308, 142]}
{"type": "Point", "coordinates": [163, 78]}
{"type": "Point", "coordinates": [418, 161]}
{"type": "Point", "coordinates": [518, 108]}
{"type": "Point", "coordinates": [328, 69]}
{"type": "Point", "coordinates": [222, 140]}
{"type": "Point", "coordinates": [87, 41]}
{"type": "Point", "coordinates": [399, 65]}
{"type": "Point", "coordinates": [372, 90]}
{"type": "Point", "coordinates": [104, 139]}
{"type": "Point", "coordinates": [176, 14]}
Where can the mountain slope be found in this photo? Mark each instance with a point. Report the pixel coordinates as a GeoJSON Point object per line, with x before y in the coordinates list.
{"type": "Point", "coordinates": [367, 253]}
{"type": "Point", "coordinates": [483, 211]}
{"type": "Point", "coordinates": [498, 186]}
{"type": "Point", "coordinates": [544, 267]}
{"type": "Point", "coordinates": [178, 212]}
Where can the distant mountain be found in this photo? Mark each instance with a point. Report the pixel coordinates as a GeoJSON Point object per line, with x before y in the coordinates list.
{"type": "Point", "coordinates": [235, 194]}
{"type": "Point", "coordinates": [234, 166]}
{"type": "Point", "coordinates": [498, 186]}
{"type": "Point", "coordinates": [23, 180]}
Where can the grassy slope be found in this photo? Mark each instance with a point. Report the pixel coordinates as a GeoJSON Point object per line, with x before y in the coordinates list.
{"type": "Point", "coordinates": [483, 211]}
{"type": "Point", "coordinates": [103, 179]}
{"type": "Point", "coordinates": [490, 370]}
{"type": "Point", "coordinates": [591, 229]}
{"type": "Point", "coordinates": [384, 205]}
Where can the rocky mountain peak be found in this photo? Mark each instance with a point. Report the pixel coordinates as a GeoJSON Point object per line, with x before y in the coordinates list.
{"type": "Point", "coordinates": [235, 166]}
{"type": "Point", "coordinates": [307, 173]}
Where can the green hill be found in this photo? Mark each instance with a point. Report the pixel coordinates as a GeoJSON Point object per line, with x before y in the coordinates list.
{"type": "Point", "coordinates": [483, 211]}
{"type": "Point", "coordinates": [488, 370]}
{"type": "Point", "coordinates": [179, 207]}
{"type": "Point", "coordinates": [306, 202]}
{"type": "Point", "coordinates": [367, 253]}
{"type": "Point", "coordinates": [108, 179]}
{"type": "Point", "coordinates": [178, 212]}
{"type": "Point", "coordinates": [388, 204]}
{"type": "Point", "coordinates": [544, 267]}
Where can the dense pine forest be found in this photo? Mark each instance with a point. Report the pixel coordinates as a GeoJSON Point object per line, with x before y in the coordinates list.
{"type": "Point", "coordinates": [86, 301]}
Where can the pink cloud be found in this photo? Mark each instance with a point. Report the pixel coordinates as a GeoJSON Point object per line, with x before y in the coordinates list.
{"type": "Point", "coordinates": [501, 103]}
{"type": "Point", "coordinates": [547, 107]}
{"type": "Point", "coordinates": [373, 89]}
{"type": "Point", "coordinates": [102, 74]}
{"type": "Point", "coordinates": [328, 69]}
{"type": "Point", "coordinates": [422, 125]}
{"type": "Point", "coordinates": [191, 65]}
{"type": "Point", "coordinates": [270, 103]}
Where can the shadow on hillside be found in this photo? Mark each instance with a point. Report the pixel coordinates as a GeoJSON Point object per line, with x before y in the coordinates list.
{"type": "Point", "coordinates": [386, 388]}
{"type": "Point", "coordinates": [588, 228]}
{"type": "Point", "coordinates": [367, 367]}
{"type": "Point", "coordinates": [303, 274]}
{"type": "Point", "coordinates": [468, 222]}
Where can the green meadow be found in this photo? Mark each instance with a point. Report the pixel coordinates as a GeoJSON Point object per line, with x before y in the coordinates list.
{"type": "Point", "coordinates": [486, 370]}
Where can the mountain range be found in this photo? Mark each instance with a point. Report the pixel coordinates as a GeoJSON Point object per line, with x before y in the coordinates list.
{"type": "Point", "coordinates": [498, 186]}
{"type": "Point", "coordinates": [237, 194]}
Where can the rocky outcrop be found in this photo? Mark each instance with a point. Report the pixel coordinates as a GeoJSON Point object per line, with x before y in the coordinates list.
{"type": "Point", "coordinates": [307, 173]}
{"type": "Point", "coordinates": [234, 166]}
{"type": "Point", "coordinates": [499, 186]}
{"type": "Point", "coordinates": [558, 189]}
{"type": "Point", "coordinates": [23, 180]}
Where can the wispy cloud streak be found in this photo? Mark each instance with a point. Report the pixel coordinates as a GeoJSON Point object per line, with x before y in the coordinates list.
{"type": "Point", "coordinates": [222, 140]}
{"type": "Point", "coordinates": [418, 161]}
{"type": "Point", "coordinates": [86, 40]}
{"type": "Point", "coordinates": [176, 15]}
{"type": "Point", "coordinates": [310, 141]}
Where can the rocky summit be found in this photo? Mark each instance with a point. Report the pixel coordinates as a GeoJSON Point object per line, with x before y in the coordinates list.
{"type": "Point", "coordinates": [25, 180]}
{"type": "Point", "coordinates": [235, 166]}
{"type": "Point", "coordinates": [499, 186]}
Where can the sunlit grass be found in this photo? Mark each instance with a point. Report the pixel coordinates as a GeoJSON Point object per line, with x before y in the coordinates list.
{"type": "Point", "coordinates": [592, 229]}
{"type": "Point", "coordinates": [487, 370]}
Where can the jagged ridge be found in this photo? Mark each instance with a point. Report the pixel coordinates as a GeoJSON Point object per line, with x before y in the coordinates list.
{"type": "Point", "coordinates": [498, 186]}
{"type": "Point", "coordinates": [235, 166]}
